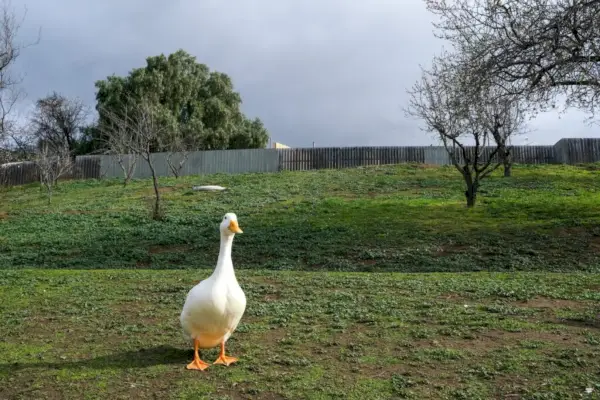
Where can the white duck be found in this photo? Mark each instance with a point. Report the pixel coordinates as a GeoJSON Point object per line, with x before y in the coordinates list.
{"type": "Point", "coordinates": [213, 308]}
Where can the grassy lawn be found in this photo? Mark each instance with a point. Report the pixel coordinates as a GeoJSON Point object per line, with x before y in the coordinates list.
{"type": "Point", "coordinates": [306, 335]}
{"type": "Point", "coordinates": [404, 218]}
{"type": "Point", "coordinates": [503, 301]}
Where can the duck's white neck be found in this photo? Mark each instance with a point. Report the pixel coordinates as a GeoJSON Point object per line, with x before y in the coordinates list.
{"type": "Point", "coordinates": [224, 263]}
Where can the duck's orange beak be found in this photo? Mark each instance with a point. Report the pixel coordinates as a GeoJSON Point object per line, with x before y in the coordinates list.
{"type": "Point", "coordinates": [234, 227]}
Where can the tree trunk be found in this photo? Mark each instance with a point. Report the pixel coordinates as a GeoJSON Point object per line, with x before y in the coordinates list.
{"type": "Point", "coordinates": [505, 154]}
{"type": "Point", "coordinates": [507, 169]}
{"type": "Point", "coordinates": [127, 169]}
{"type": "Point", "coordinates": [471, 195]}
{"type": "Point", "coordinates": [49, 193]}
{"type": "Point", "coordinates": [471, 192]}
{"type": "Point", "coordinates": [156, 212]}
{"type": "Point", "coordinates": [126, 180]}
{"type": "Point", "coordinates": [131, 170]}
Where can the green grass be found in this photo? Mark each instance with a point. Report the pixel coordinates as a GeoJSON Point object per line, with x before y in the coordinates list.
{"type": "Point", "coordinates": [91, 288]}
{"type": "Point", "coordinates": [401, 218]}
{"type": "Point", "coordinates": [305, 335]}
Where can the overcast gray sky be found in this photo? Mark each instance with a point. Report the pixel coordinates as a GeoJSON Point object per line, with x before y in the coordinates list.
{"type": "Point", "coordinates": [329, 71]}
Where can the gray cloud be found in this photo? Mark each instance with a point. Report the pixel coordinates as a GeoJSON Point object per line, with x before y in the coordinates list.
{"type": "Point", "coordinates": [330, 71]}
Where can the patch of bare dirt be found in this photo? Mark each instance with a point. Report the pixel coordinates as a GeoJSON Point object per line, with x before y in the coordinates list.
{"type": "Point", "coordinates": [143, 264]}
{"type": "Point", "coordinates": [581, 323]}
{"type": "Point", "coordinates": [580, 232]}
{"type": "Point", "coordinates": [348, 336]}
{"type": "Point", "coordinates": [545, 302]}
{"type": "Point", "coordinates": [3, 215]}
{"type": "Point", "coordinates": [451, 249]}
{"type": "Point", "coordinates": [271, 297]}
{"type": "Point", "coordinates": [453, 297]}
{"type": "Point", "coordinates": [273, 336]}
{"type": "Point", "coordinates": [494, 339]}
{"type": "Point", "coordinates": [595, 244]}
{"type": "Point", "coordinates": [512, 338]}
{"type": "Point", "coordinates": [167, 189]}
{"type": "Point", "coordinates": [25, 389]}
{"type": "Point", "coordinates": [570, 231]}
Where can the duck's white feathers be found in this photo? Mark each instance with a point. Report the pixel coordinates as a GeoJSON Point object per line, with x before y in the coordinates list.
{"type": "Point", "coordinates": [212, 310]}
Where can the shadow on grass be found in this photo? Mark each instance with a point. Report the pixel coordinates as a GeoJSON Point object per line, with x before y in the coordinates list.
{"type": "Point", "coordinates": [582, 322]}
{"type": "Point", "coordinates": [142, 358]}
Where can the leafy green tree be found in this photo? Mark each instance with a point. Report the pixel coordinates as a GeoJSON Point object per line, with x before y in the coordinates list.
{"type": "Point", "coordinates": [194, 105]}
{"type": "Point", "coordinates": [253, 135]}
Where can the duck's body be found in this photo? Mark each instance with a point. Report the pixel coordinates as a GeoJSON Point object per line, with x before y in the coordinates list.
{"type": "Point", "coordinates": [214, 307]}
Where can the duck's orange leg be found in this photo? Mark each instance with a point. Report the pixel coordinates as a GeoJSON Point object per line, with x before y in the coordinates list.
{"type": "Point", "coordinates": [223, 359]}
{"type": "Point", "coordinates": [197, 363]}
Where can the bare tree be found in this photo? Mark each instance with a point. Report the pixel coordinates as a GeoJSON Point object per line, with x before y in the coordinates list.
{"type": "Point", "coordinates": [10, 92]}
{"type": "Point", "coordinates": [10, 50]}
{"type": "Point", "coordinates": [138, 128]}
{"type": "Point", "coordinates": [182, 153]}
{"type": "Point", "coordinates": [118, 142]}
{"type": "Point", "coordinates": [52, 164]}
{"type": "Point", "coordinates": [178, 146]}
{"type": "Point", "coordinates": [539, 49]}
{"type": "Point", "coordinates": [15, 143]}
{"type": "Point", "coordinates": [502, 116]}
{"type": "Point", "coordinates": [464, 115]}
{"type": "Point", "coordinates": [58, 120]}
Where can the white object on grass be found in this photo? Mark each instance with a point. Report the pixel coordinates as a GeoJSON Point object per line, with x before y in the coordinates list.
{"type": "Point", "coordinates": [208, 187]}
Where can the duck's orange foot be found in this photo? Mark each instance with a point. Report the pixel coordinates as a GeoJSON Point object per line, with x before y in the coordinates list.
{"type": "Point", "coordinates": [225, 360]}
{"type": "Point", "coordinates": [198, 365]}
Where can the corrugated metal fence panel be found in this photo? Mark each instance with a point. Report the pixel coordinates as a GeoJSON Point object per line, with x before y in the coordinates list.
{"type": "Point", "coordinates": [87, 167]}
{"type": "Point", "coordinates": [436, 156]}
{"type": "Point", "coordinates": [197, 163]}
{"type": "Point", "coordinates": [18, 173]}
{"type": "Point", "coordinates": [237, 161]}
{"type": "Point", "coordinates": [519, 154]}
{"type": "Point", "coordinates": [302, 159]}
{"type": "Point", "coordinates": [568, 151]}
{"type": "Point", "coordinates": [346, 157]}
{"type": "Point", "coordinates": [575, 151]}
{"type": "Point", "coordinates": [533, 154]}
{"type": "Point", "coordinates": [583, 150]}
{"type": "Point", "coordinates": [23, 172]}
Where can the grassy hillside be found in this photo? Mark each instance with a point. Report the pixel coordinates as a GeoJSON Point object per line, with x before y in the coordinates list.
{"type": "Point", "coordinates": [477, 336]}
{"type": "Point", "coordinates": [401, 218]}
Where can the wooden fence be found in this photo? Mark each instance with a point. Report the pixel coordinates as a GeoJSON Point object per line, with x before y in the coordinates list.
{"type": "Point", "coordinates": [565, 151]}
{"type": "Point", "coordinates": [23, 172]}
{"type": "Point", "coordinates": [340, 157]}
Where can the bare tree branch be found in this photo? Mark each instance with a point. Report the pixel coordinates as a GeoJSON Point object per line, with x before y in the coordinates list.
{"type": "Point", "coordinates": [10, 50]}
{"type": "Point", "coordinates": [137, 129]}
{"type": "Point", "coordinates": [466, 111]}
{"type": "Point", "coordinates": [178, 146]}
{"type": "Point", "coordinates": [538, 48]}
{"type": "Point", "coordinates": [57, 121]}
{"type": "Point", "coordinates": [52, 164]}
{"type": "Point", "coordinates": [117, 141]}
